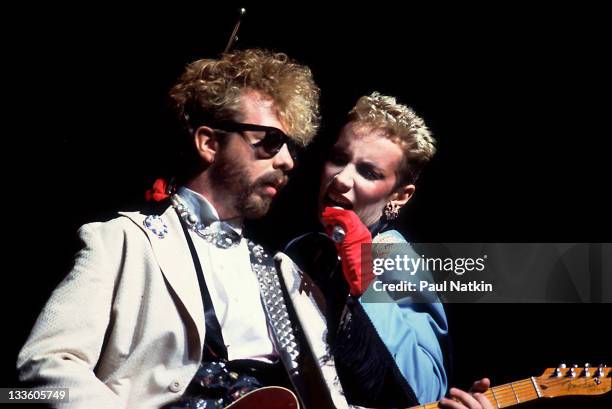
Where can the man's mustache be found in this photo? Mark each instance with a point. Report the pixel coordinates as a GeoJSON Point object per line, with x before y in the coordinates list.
{"type": "Point", "coordinates": [278, 179]}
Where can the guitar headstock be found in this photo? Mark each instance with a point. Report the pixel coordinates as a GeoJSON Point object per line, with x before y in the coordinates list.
{"type": "Point", "coordinates": [575, 380]}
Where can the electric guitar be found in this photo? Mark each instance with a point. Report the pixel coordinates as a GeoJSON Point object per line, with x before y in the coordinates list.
{"type": "Point", "coordinates": [553, 383]}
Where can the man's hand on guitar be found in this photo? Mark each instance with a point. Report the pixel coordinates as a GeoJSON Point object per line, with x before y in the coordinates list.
{"type": "Point", "coordinates": [474, 399]}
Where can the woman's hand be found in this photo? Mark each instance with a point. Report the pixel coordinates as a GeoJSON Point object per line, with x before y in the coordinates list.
{"type": "Point", "coordinates": [474, 399]}
{"type": "Point", "coordinates": [356, 264]}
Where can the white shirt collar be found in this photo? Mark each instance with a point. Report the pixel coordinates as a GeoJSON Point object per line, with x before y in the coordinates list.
{"type": "Point", "coordinates": [203, 209]}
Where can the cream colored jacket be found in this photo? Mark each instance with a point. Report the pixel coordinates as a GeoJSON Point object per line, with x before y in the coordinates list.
{"type": "Point", "coordinates": [125, 328]}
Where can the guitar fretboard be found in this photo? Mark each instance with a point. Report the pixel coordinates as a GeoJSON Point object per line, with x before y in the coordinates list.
{"type": "Point", "coordinates": [503, 396]}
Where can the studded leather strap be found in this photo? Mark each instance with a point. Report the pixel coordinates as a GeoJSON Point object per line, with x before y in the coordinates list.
{"type": "Point", "coordinates": [274, 304]}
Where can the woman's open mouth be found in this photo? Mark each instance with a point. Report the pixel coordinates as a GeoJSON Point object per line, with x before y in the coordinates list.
{"type": "Point", "coordinates": [337, 201]}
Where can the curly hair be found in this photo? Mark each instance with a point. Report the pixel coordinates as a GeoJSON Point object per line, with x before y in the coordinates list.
{"type": "Point", "coordinates": [211, 89]}
{"type": "Point", "coordinates": [401, 125]}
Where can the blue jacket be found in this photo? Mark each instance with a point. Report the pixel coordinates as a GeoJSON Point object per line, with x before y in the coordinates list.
{"type": "Point", "coordinates": [414, 333]}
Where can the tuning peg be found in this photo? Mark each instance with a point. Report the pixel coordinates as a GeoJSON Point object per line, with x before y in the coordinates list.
{"type": "Point", "coordinates": [600, 370]}
{"type": "Point", "coordinates": [572, 372]}
{"type": "Point", "coordinates": [557, 372]}
{"type": "Point", "coordinates": [586, 372]}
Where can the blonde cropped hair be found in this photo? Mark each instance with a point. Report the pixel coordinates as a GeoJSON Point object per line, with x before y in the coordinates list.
{"type": "Point", "coordinates": [210, 90]}
{"type": "Point", "coordinates": [401, 125]}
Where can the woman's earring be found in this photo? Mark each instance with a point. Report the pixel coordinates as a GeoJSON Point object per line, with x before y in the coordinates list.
{"type": "Point", "coordinates": [392, 211]}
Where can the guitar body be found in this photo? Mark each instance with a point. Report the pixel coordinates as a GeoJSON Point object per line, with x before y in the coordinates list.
{"type": "Point", "coordinates": [269, 397]}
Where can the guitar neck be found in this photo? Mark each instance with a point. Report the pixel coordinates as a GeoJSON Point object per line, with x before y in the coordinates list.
{"type": "Point", "coordinates": [503, 396]}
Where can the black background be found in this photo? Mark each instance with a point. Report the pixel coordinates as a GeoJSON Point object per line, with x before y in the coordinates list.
{"type": "Point", "coordinates": [515, 95]}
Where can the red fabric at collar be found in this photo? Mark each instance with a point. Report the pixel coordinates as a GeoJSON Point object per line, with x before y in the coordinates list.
{"type": "Point", "coordinates": [158, 192]}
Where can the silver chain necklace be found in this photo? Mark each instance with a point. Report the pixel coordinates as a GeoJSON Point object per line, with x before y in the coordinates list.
{"type": "Point", "coordinates": [218, 233]}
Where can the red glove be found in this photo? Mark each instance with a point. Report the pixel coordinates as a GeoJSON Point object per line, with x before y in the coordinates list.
{"type": "Point", "coordinates": [356, 263]}
{"type": "Point", "coordinates": [158, 192]}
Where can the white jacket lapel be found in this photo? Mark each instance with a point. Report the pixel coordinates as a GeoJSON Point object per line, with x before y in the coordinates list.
{"type": "Point", "coordinates": [174, 259]}
{"type": "Point", "coordinates": [309, 305]}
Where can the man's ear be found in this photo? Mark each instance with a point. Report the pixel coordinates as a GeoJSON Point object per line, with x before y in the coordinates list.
{"type": "Point", "coordinates": [402, 195]}
{"type": "Point", "coordinates": [206, 143]}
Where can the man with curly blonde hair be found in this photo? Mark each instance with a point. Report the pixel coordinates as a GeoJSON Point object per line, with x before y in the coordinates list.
{"type": "Point", "coordinates": [214, 99]}
{"type": "Point", "coordinates": [163, 307]}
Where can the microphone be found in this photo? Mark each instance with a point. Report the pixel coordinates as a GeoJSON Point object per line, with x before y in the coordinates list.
{"type": "Point", "coordinates": [337, 234]}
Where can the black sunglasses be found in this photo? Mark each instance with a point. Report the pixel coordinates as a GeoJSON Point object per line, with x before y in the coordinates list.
{"type": "Point", "coordinates": [266, 147]}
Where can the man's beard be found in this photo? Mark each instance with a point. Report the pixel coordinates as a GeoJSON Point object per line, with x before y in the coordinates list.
{"type": "Point", "coordinates": [245, 198]}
